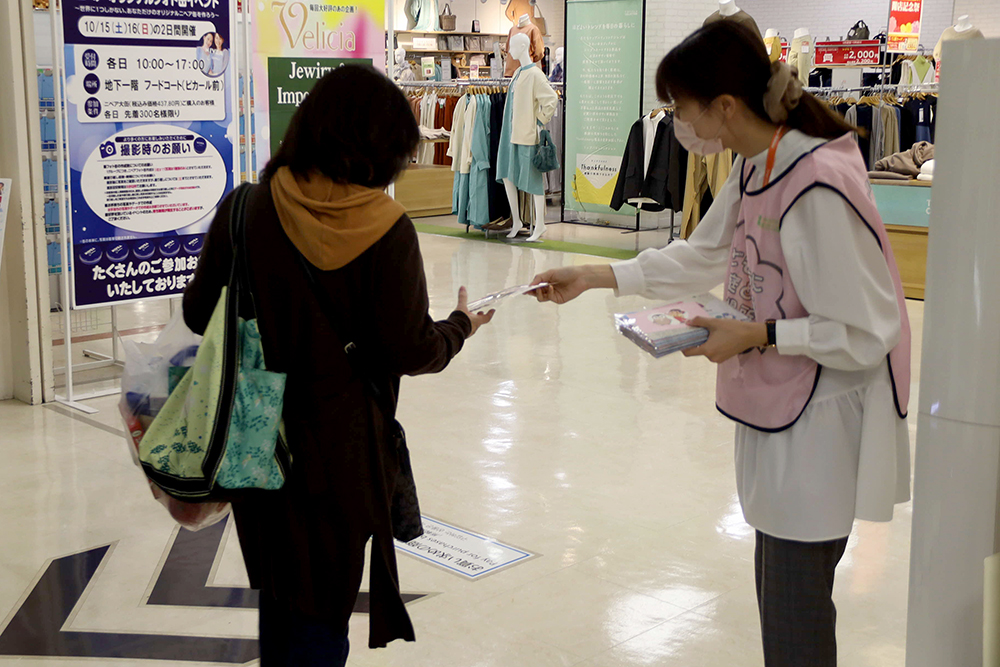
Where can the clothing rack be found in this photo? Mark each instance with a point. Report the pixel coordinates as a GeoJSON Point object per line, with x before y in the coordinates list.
{"type": "Point", "coordinates": [465, 82]}
{"type": "Point", "coordinates": [928, 88]}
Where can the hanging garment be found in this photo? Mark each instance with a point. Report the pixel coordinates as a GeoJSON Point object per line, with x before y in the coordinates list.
{"type": "Point", "coordinates": [890, 132]}
{"type": "Point", "coordinates": [654, 167]}
{"type": "Point", "coordinates": [705, 178]}
{"type": "Point", "coordinates": [499, 204]}
{"type": "Point", "coordinates": [554, 179]}
{"type": "Point", "coordinates": [865, 122]}
{"type": "Point", "coordinates": [425, 14]}
{"type": "Point", "coordinates": [800, 56]}
{"type": "Point", "coordinates": [533, 104]}
{"type": "Point", "coordinates": [740, 17]}
{"type": "Point", "coordinates": [479, 171]}
{"type": "Point", "coordinates": [465, 160]}
{"type": "Point", "coordinates": [773, 45]}
{"type": "Point", "coordinates": [557, 74]}
{"type": "Point", "coordinates": [455, 149]}
{"type": "Point", "coordinates": [428, 109]}
{"type": "Point", "coordinates": [917, 72]}
{"type": "Point", "coordinates": [535, 52]}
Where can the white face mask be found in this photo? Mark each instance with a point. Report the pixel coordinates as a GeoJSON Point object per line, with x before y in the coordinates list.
{"type": "Point", "coordinates": [692, 142]}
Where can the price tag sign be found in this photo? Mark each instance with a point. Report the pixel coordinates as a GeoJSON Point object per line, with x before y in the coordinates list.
{"type": "Point", "coordinates": [904, 26]}
{"type": "Point", "coordinates": [425, 43]}
{"type": "Point", "coordinates": [848, 54]}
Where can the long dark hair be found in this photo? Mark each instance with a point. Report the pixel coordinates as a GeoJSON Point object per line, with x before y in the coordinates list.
{"type": "Point", "coordinates": [354, 127]}
{"type": "Point", "coordinates": [726, 58]}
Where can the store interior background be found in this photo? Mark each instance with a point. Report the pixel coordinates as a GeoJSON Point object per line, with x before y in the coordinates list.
{"type": "Point", "coordinates": [24, 314]}
{"type": "Point", "coordinates": [667, 23]}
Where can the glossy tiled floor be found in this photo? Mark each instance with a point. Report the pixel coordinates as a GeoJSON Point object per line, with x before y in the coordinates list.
{"type": "Point", "coordinates": [549, 432]}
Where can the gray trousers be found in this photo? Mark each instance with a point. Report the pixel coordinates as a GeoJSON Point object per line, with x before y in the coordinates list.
{"type": "Point", "coordinates": [798, 619]}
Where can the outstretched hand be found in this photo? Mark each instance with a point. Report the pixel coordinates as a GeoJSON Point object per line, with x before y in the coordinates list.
{"type": "Point", "coordinates": [569, 282]}
{"type": "Point", "coordinates": [477, 319]}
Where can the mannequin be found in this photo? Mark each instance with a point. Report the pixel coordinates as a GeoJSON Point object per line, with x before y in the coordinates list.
{"type": "Point", "coordinates": [728, 11]}
{"type": "Point", "coordinates": [530, 101]}
{"type": "Point", "coordinates": [963, 29]}
{"type": "Point", "coordinates": [536, 44]}
{"type": "Point", "coordinates": [728, 8]}
{"type": "Point", "coordinates": [402, 71]}
{"type": "Point", "coordinates": [773, 43]}
{"type": "Point", "coordinates": [557, 69]}
{"type": "Point", "coordinates": [800, 55]}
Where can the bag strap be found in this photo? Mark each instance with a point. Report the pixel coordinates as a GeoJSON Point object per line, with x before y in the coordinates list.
{"type": "Point", "coordinates": [239, 278]}
{"type": "Point", "coordinates": [447, 10]}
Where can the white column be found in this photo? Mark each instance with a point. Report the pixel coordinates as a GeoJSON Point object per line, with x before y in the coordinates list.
{"type": "Point", "coordinates": [957, 482]}
{"type": "Point", "coordinates": [21, 292]}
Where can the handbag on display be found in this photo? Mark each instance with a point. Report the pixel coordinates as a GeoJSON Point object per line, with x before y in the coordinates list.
{"type": "Point", "coordinates": [860, 31]}
{"type": "Point", "coordinates": [218, 435]}
{"type": "Point", "coordinates": [456, 43]}
{"type": "Point", "coordinates": [447, 19]}
{"type": "Point", "coordinates": [545, 158]}
{"type": "Point", "coordinates": [538, 19]}
{"type": "Point", "coordinates": [404, 508]}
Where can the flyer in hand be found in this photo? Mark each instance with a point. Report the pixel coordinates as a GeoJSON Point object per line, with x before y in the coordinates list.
{"type": "Point", "coordinates": [662, 331]}
{"type": "Point", "coordinates": [493, 300]}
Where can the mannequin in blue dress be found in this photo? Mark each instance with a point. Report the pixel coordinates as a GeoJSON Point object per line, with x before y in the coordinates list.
{"type": "Point", "coordinates": [535, 98]}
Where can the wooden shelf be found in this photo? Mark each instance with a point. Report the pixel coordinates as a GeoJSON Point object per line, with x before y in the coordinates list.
{"type": "Point", "coordinates": [450, 32]}
{"type": "Point", "coordinates": [416, 51]}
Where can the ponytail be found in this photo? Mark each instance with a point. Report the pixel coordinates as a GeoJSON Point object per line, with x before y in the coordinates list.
{"type": "Point", "coordinates": [726, 58]}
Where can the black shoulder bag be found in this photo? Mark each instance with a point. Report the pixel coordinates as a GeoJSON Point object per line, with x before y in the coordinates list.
{"type": "Point", "coordinates": [404, 507]}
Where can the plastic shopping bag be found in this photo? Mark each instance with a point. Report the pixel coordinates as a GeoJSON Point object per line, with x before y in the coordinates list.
{"type": "Point", "coordinates": [152, 370]}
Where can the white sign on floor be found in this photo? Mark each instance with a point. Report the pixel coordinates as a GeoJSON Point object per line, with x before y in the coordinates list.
{"type": "Point", "coordinates": [460, 551]}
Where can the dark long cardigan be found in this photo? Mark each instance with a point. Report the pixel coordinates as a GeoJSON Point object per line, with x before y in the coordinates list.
{"type": "Point", "coordinates": [305, 545]}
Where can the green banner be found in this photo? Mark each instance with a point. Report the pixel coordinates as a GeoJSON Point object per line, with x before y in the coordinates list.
{"type": "Point", "coordinates": [289, 81]}
{"type": "Point", "coordinates": [603, 87]}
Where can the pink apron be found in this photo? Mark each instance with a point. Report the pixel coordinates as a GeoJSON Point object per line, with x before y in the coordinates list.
{"type": "Point", "coordinates": [761, 388]}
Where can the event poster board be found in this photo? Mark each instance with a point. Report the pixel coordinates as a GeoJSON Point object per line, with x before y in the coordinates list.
{"type": "Point", "coordinates": [905, 17]}
{"type": "Point", "coordinates": [308, 34]}
{"type": "Point", "coordinates": [603, 97]}
{"type": "Point", "coordinates": [149, 101]}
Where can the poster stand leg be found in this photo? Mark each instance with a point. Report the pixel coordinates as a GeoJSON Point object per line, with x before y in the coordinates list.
{"type": "Point", "coordinates": [68, 399]}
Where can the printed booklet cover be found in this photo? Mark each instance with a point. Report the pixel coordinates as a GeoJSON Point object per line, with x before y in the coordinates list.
{"type": "Point", "coordinates": [662, 331]}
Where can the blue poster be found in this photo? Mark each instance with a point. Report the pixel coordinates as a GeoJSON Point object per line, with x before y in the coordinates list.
{"type": "Point", "coordinates": [150, 104]}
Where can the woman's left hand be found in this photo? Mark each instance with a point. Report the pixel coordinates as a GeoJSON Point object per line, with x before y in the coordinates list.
{"type": "Point", "coordinates": [727, 338]}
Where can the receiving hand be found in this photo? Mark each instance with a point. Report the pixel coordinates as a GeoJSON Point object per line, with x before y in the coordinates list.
{"type": "Point", "coordinates": [727, 338]}
{"type": "Point", "coordinates": [477, 319]}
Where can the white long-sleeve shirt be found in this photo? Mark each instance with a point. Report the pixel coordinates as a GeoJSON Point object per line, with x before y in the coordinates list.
{"type": "Point", "coordinates": [848, 456]}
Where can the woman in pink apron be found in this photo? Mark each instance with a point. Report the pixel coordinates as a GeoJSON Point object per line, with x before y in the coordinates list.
{"type": "Point", "coordinates": [818, 380]}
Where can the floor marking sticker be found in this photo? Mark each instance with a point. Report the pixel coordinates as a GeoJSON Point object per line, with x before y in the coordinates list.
{"type": "Point", "coordinates": [462, 552]}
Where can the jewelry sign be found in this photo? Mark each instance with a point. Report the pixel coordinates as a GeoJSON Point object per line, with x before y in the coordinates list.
{"type": "Point", "coordinates": [149, 114]}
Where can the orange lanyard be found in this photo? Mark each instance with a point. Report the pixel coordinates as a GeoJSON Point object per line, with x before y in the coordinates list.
{"type": "Point", "coordinates": [772, 152]}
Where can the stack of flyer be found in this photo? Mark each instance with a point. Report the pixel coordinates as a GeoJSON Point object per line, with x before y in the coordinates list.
{"type": "Point", "coordinates": [664, 330]}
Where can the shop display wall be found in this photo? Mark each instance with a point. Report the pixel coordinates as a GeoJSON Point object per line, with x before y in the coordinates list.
{"type": "Point", "coordinates": [985, 14]}
{"type": "Point", "coordinates": [834, 19]}
{"type": "Point", "coordinates": [490, 15]}
{"type": "Point", "coordinates": [667, 24]}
